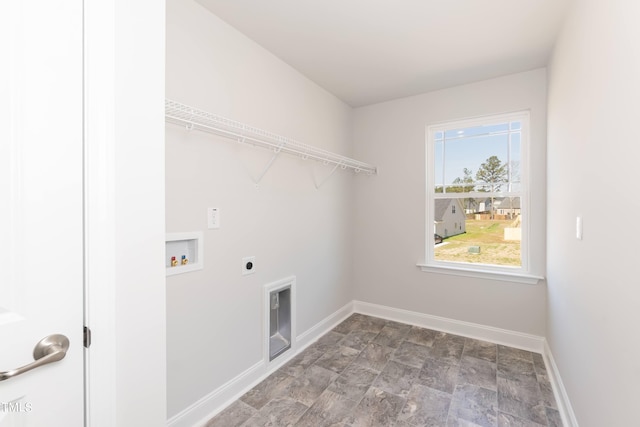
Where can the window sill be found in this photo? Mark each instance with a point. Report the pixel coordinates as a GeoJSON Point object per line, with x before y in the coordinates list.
{"type": "Point", "coordinates": [528, 279]}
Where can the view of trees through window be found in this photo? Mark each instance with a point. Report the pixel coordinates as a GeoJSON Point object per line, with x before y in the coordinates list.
{"type": "Point", "coordinates": [477, 193]}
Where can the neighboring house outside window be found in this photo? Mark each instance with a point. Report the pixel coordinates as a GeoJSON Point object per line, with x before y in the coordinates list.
{"type": "Point", "coordinates": [477, 194]}
{"type": "Point", "coordinates": [446, 219]}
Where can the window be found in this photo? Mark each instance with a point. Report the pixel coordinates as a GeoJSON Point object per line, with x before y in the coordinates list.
{"type": "Point", "coordinates": [477, 191]}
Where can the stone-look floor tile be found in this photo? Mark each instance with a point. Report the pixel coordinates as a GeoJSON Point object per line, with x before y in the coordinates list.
{"type": "Point", "coordinates": [411, 354]}
{"type": "Point", "coordinates": [398, 325]}
{"type": "Point", "coordinates": [514, 353]}
{"type": "Point", "coordinates": [272, 387]}
{"type": "Point", "coordinates": [423, 336]}
{"type": "Point", "coordinates": [521, 397]}
{"type": "Point", "coordinates": [520, 387]}
{"type": "Point", "coordinates": [327, 341]}
{"type": "Point", "coordinates": [358, 339]}
{"type": "Point", "coordinates": [425, 407]}
{"type": "Point", "coordinates": [553, 417]}
{"type": "Point", "coordinates": [515, 367]}
{"type": "Point", "coordinates": [480, 350]}
{"type": "Point", "coordinates": [374, 356]}
{"type": "Point", "coordinates": [296, 366]}
{"type": "Point", "coordinates": [546, 391]}
{"type": "Point", "coordinates": [391, 336]}
{"type": "Point", "coordinates": [338, 358]}
{"type": "Point", "coordinates": [475, 404]}
{"type": "Point", "coordinates": [360, 322]}
{"type": "Point", "coordinates": [377, 408]}
{"type": "Point", "coordinates": [508, 420]}
{"type": "Point", "coordinates": [448, 348]}
{"type": "Point", "coordinates": [354, 382]}
{"type": "Point", "coordinates": [439, 375]}
{"type": "Point", "coordinates": [372, 324]}
{"type": "Point", "coordinates": [349, 324]}
{"type": "Point", "coordinates": [397, 378]}
{"type": "Point", "coordinates": [457, 422]}
{"type": "Point", "coordinates": [256, 421]}
{"type": "Point", "coordinates": [279, 412]}
{"type": "Point", "coordinates": [233, 416]}
{"type": "Point", "coordinates": [478, 372]}
{"type": "Point", "coordinates": [538, 364]}
{"type": "Point", "coordinates": [310, 385]}
{"type": "Point", "coordinates": [329, 410]}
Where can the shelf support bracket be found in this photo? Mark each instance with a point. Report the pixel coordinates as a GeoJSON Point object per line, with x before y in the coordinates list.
{"type": "Point", "coordinates": [326, 178]}
{"type": "Point", "coordinates": [268, 165]}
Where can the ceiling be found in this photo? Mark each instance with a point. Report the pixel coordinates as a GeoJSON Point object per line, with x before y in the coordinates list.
{"type": "Point", "coordinates": [369, 51]}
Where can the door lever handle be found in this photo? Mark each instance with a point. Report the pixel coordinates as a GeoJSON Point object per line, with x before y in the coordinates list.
{"type": "Point", "coordinates": [50, 349]}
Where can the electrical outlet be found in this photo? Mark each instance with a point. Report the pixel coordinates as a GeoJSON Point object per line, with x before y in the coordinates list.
{"type": "Point", "coordinates": [248, 265]}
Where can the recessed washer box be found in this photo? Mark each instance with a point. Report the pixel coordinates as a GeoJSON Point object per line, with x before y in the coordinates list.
{"type": "Point", "coordinates": [188, 245]}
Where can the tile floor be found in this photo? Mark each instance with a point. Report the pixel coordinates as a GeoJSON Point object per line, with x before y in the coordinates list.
{"type": "Point", "coordinates": [373, 372]}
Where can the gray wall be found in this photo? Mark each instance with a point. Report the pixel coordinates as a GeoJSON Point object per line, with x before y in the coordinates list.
{"type": "Point", "coordinates": [594, 301]}
{"type": "Point", "coordinates": [390, 209]}
{"type": "Point", "coordinates": [214, 316]}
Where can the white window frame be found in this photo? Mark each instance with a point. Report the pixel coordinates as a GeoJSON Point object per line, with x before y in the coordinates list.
{"type": "Point", "coordinates": [520, 274]}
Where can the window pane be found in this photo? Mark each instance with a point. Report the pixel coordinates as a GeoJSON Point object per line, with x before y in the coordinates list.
{"type": "Point", "coordinates": [467, 154]}
{"type": "Point", "coordinates": [478, 230]}
{"type": "Point", "coordinates": [438, 165]}
{"type": "Point", "coordinates": [476, 159]}
{"type": "Point", "coordinates": [515, 177]}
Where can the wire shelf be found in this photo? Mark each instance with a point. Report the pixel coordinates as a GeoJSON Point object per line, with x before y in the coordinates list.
{"type": "Point", "coordinates": [193, 118]}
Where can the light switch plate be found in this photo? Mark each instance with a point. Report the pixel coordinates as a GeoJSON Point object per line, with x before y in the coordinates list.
{"type": "Point", "coordinates": [213, 218]}
{"type": "Point", "coordinates": [579, 227]}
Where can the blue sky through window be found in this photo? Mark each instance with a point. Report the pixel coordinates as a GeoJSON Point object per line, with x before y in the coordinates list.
{"type": "Point", "coordinates": [456, 149]}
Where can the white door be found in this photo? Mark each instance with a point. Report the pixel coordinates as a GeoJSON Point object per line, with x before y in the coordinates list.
{"type": "Point", "coordinates": [41, 209]}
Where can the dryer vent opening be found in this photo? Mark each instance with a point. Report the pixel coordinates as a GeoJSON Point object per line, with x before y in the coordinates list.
{"type": "Point", "coordinates": [280, 326]}
{"type": "Point", "coordinates": [279, 322]}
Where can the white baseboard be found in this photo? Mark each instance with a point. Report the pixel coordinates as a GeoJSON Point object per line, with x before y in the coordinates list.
{"type": "Point", "coordinates": [210, 405]}
{"type": "Point", "coordinates": [223, 396]}
{"type": "Point", "coordinates": [471, 330]}
{"type": "Point", "coordinates": [324, 326]}
{"type": "Point", "coordinates": [560, 393]}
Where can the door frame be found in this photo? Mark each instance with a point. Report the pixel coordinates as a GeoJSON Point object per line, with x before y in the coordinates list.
{"type": "Point", "coordinates": [125, 367]}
